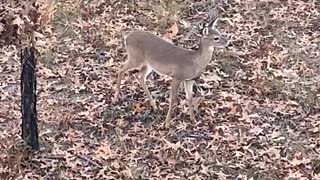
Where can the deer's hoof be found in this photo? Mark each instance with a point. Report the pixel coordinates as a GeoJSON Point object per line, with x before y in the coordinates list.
{"type": "Point", "coordinates": [154, 107]}
{"type": "Point", "coordinates": [167, 125]}
{"type": "Point", "coordinates": [115, 99]}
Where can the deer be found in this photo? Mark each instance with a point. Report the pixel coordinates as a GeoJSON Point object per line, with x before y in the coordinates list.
{"type": "Point", "coordinates": [148, 52]}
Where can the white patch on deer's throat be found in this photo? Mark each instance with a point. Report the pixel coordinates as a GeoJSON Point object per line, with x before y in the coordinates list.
{"type": "Point", "coordinates": [211, 48]}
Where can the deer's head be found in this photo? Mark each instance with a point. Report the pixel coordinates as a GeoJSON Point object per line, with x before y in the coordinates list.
{"type": "Point", "coordinates": [213, 36]}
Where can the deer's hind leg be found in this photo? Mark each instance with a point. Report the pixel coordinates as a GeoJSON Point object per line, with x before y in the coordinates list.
{"type": "Point", "coordinates": [144, 72]}
{"type": "Point", "coordinates": [130, 64]}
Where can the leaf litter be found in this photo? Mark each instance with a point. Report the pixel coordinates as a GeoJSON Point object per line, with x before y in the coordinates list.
{"type": "Point", "coordinates": [257, 101]}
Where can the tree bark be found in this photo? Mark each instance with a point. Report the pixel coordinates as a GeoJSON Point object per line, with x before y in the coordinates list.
{"type": "Point", "coordinates": [28, 98]}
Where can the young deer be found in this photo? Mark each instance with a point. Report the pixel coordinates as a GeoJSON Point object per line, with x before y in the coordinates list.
{"type": "Point", "coordinates": [148, 52]}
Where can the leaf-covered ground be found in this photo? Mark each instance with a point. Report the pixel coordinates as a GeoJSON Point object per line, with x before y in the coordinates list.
{"type": "Point", "coordinates": [258, 107]}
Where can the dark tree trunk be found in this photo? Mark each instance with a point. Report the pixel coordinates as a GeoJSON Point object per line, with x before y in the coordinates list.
{"type": "Point", "coordinates": [28, 98]}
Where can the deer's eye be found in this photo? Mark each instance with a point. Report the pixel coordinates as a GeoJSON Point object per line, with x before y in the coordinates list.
{"type": "Point", "coordinates": [215, 38]}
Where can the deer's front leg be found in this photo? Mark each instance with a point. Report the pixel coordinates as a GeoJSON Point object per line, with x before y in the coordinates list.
{"type": "Point", "coordinates": [188, 85]}
{"type": "Point", "coordinates": [173, 99]}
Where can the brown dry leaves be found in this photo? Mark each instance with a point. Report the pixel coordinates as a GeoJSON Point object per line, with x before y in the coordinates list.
{"type": "Point", "coordinates": [258, 101]}
{"type": "Point", "coordinates": [171, 32]}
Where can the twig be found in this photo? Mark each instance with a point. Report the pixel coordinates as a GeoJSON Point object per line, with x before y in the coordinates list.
{"type": "Point", "coordinates": [89, 160]}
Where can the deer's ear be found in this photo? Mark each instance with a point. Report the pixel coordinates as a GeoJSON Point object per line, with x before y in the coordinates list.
{"type": "Point", "coordinates": [214, 23]}
{"type": "Point", "coordinates": [205, 31]}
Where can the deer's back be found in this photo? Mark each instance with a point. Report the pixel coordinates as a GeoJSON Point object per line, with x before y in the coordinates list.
{"type": "Point", "coordinates": [158, 53]}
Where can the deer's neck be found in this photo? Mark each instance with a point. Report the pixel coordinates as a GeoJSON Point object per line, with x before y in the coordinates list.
{"type": "Point", "coordinates": [205, 53]}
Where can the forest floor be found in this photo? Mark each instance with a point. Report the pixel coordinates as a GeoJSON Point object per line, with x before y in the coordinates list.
{"type": "Point", "coordinates": [258, 101]}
